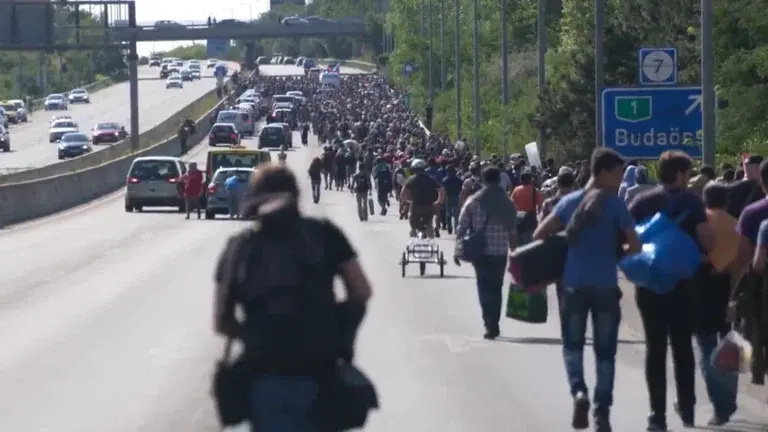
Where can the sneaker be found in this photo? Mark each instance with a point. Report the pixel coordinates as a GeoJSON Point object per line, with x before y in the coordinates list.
{"type": "Point", "coordinates": [602, 421]}
{"type": "Point", "coordinates": [491, 334]}
{"type": "Point", "coordinates": [656, 423]}
{"type": "Point", "coordinates": [686, 415]}
{"type": "Point", "coordinates": [580, 419]}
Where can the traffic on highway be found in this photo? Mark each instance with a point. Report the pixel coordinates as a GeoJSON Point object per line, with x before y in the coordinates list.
{"type": "Point", "coordinates": [108, 305]}
{"type": "Point", "coordinates": [30, 140]}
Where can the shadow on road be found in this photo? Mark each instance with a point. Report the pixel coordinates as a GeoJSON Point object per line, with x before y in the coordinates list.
{"type": "Point", "coordinates": [556, 341]}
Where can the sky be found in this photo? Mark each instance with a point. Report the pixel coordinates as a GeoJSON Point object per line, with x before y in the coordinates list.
{"type": "Point", "coordinates": [149, 11]}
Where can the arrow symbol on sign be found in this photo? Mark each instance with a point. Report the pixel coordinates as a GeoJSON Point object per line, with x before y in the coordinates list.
{"type": "Point", "coordinates": [695, 103]}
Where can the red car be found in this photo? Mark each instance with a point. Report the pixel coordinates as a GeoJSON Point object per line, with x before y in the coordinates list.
{"type": "Point", "coordinates": [108, 133]}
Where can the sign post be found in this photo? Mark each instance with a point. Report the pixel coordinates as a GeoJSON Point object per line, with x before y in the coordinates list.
{"type": "Point", "coordinates": [642, 123]}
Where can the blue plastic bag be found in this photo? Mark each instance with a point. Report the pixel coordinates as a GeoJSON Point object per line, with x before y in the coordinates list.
{"type": "Point", "coordinates": [668, 256]}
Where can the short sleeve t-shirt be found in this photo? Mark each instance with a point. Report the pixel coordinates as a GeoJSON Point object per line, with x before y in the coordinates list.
{"type": "Point", "coordinates": [591, 259]}
{"type": "Point", "coordinates": [674, 203]}
{"type": "Point", "coordinates": [751, 218]}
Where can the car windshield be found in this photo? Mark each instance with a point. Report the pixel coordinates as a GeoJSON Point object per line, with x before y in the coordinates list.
{"type": "Point", "coordinates": [77, 91]}
{"type": "Point", "coordinates": [18, 104]}
{"type": "Point", "coordinates": [74, 137]}
{"type": "Point", "coordinates": [245, 159]}
{"type": "Point", "coordinates": [226, 117]}
{"type": "Point", "coordinates": [283, 99]}
{"type": "Point", "coordinates": [107, 126]}
{"type": "Point", "coordinates": [242, 174]}
{"type": "Point", "coordinates": [154, 170]}
{"type": "Point", "coordinates": [8, 107]}
{"type": "Point", "coordinates": [272, 132]}
{"type": "Point", "coordinates": [173, 78]}
{"type": "Point", "coordinates": [55, 97]}
{"type": "Point", "coordinates": [64, 124]}
{"type": "Point", "coordinates": [223, 128]}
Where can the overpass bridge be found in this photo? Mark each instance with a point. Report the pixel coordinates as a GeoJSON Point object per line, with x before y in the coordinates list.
{"type": "Point", "coordinates": [250, 31]}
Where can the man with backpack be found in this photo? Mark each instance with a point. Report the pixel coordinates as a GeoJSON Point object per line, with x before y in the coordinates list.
{"type": "Point", "coordinates": [361, 186]}
{"type": "Point", "coordinates": [298, 341]}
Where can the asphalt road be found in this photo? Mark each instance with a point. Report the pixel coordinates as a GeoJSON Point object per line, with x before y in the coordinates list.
{"type": "Point", "coordinates": [29, 141]}
{"type": "Point", "coordinates": [105, 323]}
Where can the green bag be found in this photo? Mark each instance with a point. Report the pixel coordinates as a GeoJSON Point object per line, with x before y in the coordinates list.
{"type": "Point", "coordinates": [527, 307]}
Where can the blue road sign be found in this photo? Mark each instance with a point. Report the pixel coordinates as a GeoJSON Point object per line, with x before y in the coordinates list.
{"type": "Point", "coordinates": [217, 47]}
{"type": "Point", "coordinates": [641, 123]}
{"type": "Point", "coordinates": [657, 66]}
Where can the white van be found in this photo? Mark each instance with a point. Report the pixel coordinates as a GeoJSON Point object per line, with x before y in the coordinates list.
{"type": "Point", "coordinates": [330, 78]}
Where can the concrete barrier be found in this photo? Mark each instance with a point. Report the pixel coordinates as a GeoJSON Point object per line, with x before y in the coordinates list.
{"type": "Point", "coordinates": [158, 133]}
{"type": "Point", "coordinates": [28, 200]}
{"type": "Point", "coordinates": [357, 64]}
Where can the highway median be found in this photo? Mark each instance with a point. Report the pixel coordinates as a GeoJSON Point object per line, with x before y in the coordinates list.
{"type": "Point", "coordinates": [43, 191]}
{"type": "Point", "coordinates": [101, 84]}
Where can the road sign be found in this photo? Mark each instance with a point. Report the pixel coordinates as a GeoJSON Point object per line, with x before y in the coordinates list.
{"type": "Point", "coordinates": [641, 123]}
{"type": "Point", "coordinates": [658, 66]}
{"type": "Point", "coordinates": [217, 47]}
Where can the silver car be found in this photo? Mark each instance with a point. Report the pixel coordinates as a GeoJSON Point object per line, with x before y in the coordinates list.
{"type": "Point", "coordinates": [174, 81]}
{"type": "Point", "coordinates": [243, 121]}
{"type": "Point", "coordinates": [154, 181]}
{"type": "Point", "coordinates": [79, 96]}
{"type": "Point", "coordinates": [217, 202]}
{"type": "Point", "coordinates": [74, 144]}
{"type": "Point", "coordinates": [56, 101]}
{"type": "Point", "coordinates": [61, 127]}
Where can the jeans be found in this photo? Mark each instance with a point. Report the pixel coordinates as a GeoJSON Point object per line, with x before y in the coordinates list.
{"type": "Point", "coordinates": [233, 202]}
{"type": "Point", "coordinates": [284, 404]}
{"type": "Point", "coordinates": [451, 215]}
{"type": "Point", "coordinates": [489, 272]}
{"type": "Point", "coordinates": [316, 190]}
{"type": "Point", "coordinates": [722, 386]}
{"type": "Point", "coordinates": [603, 304]}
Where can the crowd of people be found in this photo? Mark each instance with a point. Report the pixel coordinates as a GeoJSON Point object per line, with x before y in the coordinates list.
{"type": "Point", "coordinates": [374, 147]}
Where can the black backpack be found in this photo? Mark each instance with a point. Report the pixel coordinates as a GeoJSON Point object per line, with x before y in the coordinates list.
{"type": "Point", "coordinates": [291, 324]}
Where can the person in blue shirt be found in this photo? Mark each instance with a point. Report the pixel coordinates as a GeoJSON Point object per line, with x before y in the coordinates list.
{"type": "Point", "coordinates": [233, 186]}
{"type": "Point", "coordinates": [452, 184]}
{"type": "Point", "coordinates": [593, 218]}
{"type": "Point", "coordinates": [382, 177]}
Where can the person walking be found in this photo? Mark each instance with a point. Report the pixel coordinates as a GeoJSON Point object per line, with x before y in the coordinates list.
{"type": "Point", "coordinates": [489, 213]}
{"type": "Point", "coordinates": [193, 189]}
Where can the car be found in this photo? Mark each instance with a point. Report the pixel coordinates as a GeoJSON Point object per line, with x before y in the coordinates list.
{"type": "Point", "coordinates": [293, 20]}
{"type": "Point", "coordinates": [211, 63]}
{"type": "Point", "coordinates": [262, 60]}
{"type": "Point", "coordinates": [153, 181]}
{"type": "Point", "coordinates": [61, 127]}
{"type": "Point", "coordinates": [5, 139]}
{"type": "Point", "coordinates": [21, 109]}
{"type": "Point", "coordinates": [195, 74]}
{"type": "Point", "coordinates": [173, 70]}
{"type": "Point", "coordinates": [6, 118]}
{"type": "Point", "coordinates": [243, 121]}
{"type": "Point", "coordinates": [185, 75]}
{"type": "Point", "coordinates": [289, 61]}
{"type": "Point", "coordinates": [272, 136]}
{"type": "Point", "coordinates": [168, 24]}
{"type": "Point", "coordinates": [164, 73]}
{"type": "Point", "coordinates": [79, 96]}
{"type": "Point", "coordinates": [174, 81]}
{"type": "Point", "coordinates": [193, 62]}
{"type": "Point", "coordinates": [216, 195]}
{"type": "Point", "coordinates": [11, 112]}
{"type": "Point", "coordinates": [154, 62]}
{"type": "Point", "coordinates": [59, 117]}
{"type": "Point", "coordinates": [74, 144]}
{"type": "Point", "coordinates": [235, 156]}
{"type": "Point", "coordinates": [223, 133]}
{"type": "Point", "coordinates": [107, 132]}
{"type": "Point", "coordinates": [288, 134]}
{"type": "Point", "coordinates": [56, 101]}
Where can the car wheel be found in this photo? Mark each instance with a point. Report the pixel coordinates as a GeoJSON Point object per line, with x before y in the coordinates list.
{"type": "Point", "coordinates": [210, 215]}
{"type": "Point", "coordinates": [6, 149]}
{"type": "Point", "coordinates": [128, 207]}
{"type": "Point", "coordinates": [61, 157]}
{"type": "Point", "coordinates": [138, 208]}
